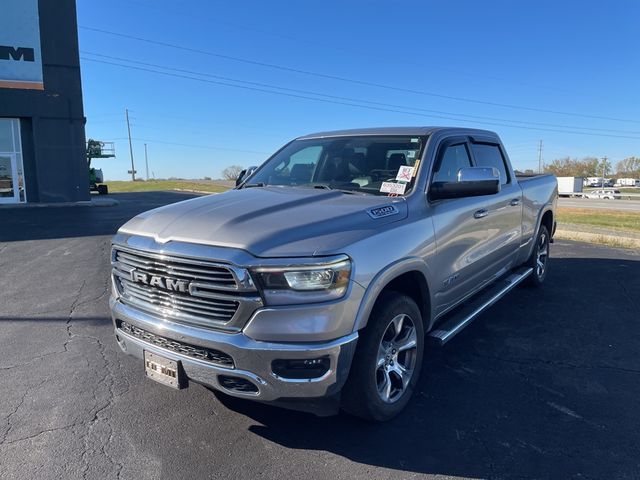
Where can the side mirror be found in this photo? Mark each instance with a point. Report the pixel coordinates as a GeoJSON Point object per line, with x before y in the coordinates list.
{"type": "Point", "coordinates": [243, 173]}
{"type": "Point", "coordinates": [472, 182]}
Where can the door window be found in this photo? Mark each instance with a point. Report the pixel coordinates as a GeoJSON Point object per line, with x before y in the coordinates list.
{"type": "Point", "coordinates": [453, 159]}
{"type": "Point", "coordinates": [490, 156]}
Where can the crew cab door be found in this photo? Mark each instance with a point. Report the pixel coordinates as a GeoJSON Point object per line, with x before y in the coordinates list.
{"type": "Point", "coordinates": [477, 237]}
{"type": "Point", "coordinates": [504, 209]}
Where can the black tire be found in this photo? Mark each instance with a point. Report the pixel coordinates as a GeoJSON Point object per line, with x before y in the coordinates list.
{"type": "Point", "coordinates": [366, 388]}
{"type": "Point", "coordinates": [536, 279]}
{"type": "Point", "coordinates": [103, 190]}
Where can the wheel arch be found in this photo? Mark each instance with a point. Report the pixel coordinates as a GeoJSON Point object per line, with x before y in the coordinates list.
{"type": "Point", "coordinates": [546, 218]}
{"type": "Point", "coordinates": [408, 276]}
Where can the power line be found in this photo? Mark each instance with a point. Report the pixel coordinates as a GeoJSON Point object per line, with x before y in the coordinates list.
{"type": "Point", "coordinates": [361, 52]}
{"type": "Point", "coordinates": [206, 147]}
{"type": "Point", "coordinates": [350, 80]}
{"type": "Point", "coordinates": [404, 107]}
{"type": "Point", "coordinates": [351, 103]}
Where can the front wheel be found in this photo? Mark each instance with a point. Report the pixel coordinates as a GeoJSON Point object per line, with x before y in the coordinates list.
{"type": "Point", "coordinates": [539, 259]}
{"type": "Point", "coordinates": [388, 360]}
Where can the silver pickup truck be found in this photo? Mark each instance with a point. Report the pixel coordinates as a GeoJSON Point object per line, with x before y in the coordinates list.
{"type": "Point", "coordinates": [315, 283]}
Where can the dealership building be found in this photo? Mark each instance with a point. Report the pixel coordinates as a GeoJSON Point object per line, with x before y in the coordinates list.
{"type": "Point", "coordinates": [42, 140]}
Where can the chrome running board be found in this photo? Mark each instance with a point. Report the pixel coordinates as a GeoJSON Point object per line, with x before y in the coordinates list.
{"type": "Point", "coordinates": [464, 315]}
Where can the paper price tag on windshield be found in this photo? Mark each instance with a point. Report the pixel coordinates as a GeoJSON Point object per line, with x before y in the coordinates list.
{"type": "Point", "coordinates": [395, 188]}
{"type": "Point", "coordinates": [405, 174]}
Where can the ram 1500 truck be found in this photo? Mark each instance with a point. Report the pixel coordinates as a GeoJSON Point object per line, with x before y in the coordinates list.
{"type": "Point", "coordinates": [315, 283]}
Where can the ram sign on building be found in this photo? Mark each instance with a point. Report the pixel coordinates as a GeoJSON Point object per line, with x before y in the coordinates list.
{"type": "Point", "coordinates": [42, 140]}
{"type": "Point", "coordinates": [21, 65]}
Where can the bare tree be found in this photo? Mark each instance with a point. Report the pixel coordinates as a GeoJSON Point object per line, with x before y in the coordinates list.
{"type": "Point", "coordinates": [232, 172]}
{"type": "Point", "coordinates": [629, 167]}
{"type": "Point", "coordinates": [572, 167]}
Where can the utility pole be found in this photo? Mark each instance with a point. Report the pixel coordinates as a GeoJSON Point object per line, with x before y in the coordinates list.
{"type": "Point", "coordinates": [540, 157]}
{"type": "Point", "coordinates": [133, 168]}
{"type": "Point", "coordinates": [146, 160]}
{"type": "Point", "coordinates": [604, 166]}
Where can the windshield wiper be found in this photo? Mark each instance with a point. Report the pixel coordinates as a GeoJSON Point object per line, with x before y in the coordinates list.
{"type": "Point", "coordinates": [348, 191]}
{"type": "Point", "coordinates": [252, 185]}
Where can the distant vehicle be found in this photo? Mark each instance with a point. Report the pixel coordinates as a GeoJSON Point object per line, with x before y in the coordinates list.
{"type": "Point", "coordinates": [98, 149]}
{"type": "Point", "coordinates": [598, 182]}
{"type": "Point", "coordinates": [570, 186]}
{"type": "Point", "coordinates": [604, 194]}
{"type": "Point", "coordinates": [627, 182]}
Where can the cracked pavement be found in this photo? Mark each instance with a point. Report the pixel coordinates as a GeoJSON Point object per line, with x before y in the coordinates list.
{"type": "Point", "coordinates": [546, 384]}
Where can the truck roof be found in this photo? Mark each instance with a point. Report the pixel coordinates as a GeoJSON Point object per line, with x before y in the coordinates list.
{"type": "Point", "coordinates": [418, 131]}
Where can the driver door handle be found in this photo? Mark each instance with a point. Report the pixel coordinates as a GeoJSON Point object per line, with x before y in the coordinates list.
{"type": "Point", "coordinates": [515, 202]}
{"type": "Point", "coordinates": [483, 212]}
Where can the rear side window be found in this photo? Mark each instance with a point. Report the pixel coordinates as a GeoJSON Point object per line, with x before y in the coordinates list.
{"type": "Point", "coordinates": [490, 156]}
{"type": "Point", "coordinates": [453, 159]}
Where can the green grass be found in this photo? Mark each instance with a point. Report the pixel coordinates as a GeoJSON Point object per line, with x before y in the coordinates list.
{"type": "Point", "coordinates": [160, 185]}
{"type": "Point", "coordinates": [615, 220]}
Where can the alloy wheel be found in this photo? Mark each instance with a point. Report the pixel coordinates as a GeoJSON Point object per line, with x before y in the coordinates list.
{"type": "Point", "coordinates": [543, 255]}
{"type": "Point", "coordinates": [396, 359]}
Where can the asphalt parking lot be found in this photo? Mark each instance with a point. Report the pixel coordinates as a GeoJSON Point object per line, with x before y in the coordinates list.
{"type": "Point", "coordinates": [546, 384]}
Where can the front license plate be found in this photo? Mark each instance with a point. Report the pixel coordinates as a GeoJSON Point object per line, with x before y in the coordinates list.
{"type": "Point", "coordinates": [163, 370]}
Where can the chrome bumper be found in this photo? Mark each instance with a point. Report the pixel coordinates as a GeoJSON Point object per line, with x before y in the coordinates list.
{"type": "Point", "coordinates": [252, 359]}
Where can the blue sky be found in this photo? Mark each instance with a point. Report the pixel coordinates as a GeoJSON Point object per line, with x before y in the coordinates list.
{"type": "Point", "coordinates": [580, 58]}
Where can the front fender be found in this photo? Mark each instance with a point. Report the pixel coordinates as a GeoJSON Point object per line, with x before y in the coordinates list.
{"type": "Point", "coordinates": [382, 279]}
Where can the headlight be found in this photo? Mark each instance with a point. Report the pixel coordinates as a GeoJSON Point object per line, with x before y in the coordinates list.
{"type": "Point", "coordinates": [292, 284]}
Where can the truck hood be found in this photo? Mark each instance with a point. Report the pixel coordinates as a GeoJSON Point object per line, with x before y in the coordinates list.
{"type": "Point", "coordinates": [271, 221]}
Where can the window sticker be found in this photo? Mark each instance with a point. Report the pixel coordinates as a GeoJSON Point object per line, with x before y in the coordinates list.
{"type": "Point", "coordinates": [393, 188]}
{"type": "Point", "coordinates": [411, 153]}
{"type": "Point", "coordinates": [415, 140]}
{"type": "Point", "coordinates": [415, 167]}
{"type": "Point", "coordinates": [405, 173]}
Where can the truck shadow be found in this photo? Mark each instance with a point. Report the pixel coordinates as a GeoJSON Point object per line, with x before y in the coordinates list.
{"type": "Point", "coordinates": [538, 389]}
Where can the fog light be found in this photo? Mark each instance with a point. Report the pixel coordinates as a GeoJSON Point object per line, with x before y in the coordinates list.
{"type": "Point", "coordinates": [301, 368]}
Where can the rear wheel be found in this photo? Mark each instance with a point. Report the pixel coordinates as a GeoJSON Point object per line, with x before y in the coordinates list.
{"type": "Point", "coordinates": [539, 259]}
{"type": "Point", "coordinates": [388, 360]}
{"type": "Point", "coordinates": [103, 189]}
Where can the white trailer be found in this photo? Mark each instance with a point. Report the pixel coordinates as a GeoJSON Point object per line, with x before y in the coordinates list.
{"type": "Point", "coordinates": [570, 186]}
{"type": "Point", "coordinates": [628, 182]}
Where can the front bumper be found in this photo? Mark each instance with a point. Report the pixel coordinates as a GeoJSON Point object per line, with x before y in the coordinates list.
{"type": "Point", "coordinates": [252, 359]}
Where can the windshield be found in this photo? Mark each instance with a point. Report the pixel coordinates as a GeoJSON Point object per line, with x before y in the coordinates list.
{"type": "Point", "coordinates": [380, 165]}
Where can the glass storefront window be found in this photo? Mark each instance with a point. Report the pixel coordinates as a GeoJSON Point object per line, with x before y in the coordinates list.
{"type": "Point", "coordinates": [6, 135]}
{"type": "Point", "coordinates": [12, 187]}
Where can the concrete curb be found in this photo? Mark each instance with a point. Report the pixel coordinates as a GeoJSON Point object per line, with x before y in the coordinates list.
{"type": "Point", "coordinates": [617, 240]}
{"type": "Point", "coordinates": [94, 202]}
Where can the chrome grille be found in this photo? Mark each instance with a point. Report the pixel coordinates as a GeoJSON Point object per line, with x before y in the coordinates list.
{"type": "Point", "coordinates": [210, 293]}
{"type": "Point", "coordinates": [213, 274]}
{"type": "Point", "coordinates": [200, 353]}
{"type": "Point", "coordinates": [215, 309]}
